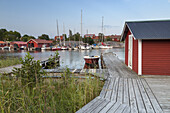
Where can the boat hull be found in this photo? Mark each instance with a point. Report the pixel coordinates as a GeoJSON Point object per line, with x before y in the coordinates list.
{"type": "Point", "coordinates": [91, 63]}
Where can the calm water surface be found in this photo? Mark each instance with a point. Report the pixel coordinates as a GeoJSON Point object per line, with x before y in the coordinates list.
{"type": "Point", "coordinates": [72, 59]}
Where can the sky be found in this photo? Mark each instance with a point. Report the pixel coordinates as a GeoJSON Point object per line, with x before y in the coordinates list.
{"type": "Point", "coordinates": [37, 17]}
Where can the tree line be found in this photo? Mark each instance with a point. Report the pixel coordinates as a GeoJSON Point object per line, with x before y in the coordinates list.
{"type": "Point", "coordinates": [16, 36]}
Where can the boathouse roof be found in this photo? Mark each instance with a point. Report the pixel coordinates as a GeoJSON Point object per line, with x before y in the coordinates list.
{"type": "Point", "coordinates": [19, 42]}
{"type": "Point", "coordinates": [41, 41]}
{"type": "Point", "coordinates": [159, 29]}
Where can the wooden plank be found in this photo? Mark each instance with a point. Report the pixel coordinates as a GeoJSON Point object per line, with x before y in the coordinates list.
{"type": "Point", "coordinates": [114, 107]}
{"type": "Point", "coordinates": [100, 107]}
{"type": "Point", "coordinates": [109, 89]}
{"type": "Point", "coordinates": [107, 107]}
{"type": "Point", "coordinates": [148, 105]}
{"type": "Point", "coordinates": [88, 105]}
{"type": "Point", "coordinates": [133, 104]}
{"type": "Point", "coordinates": [120, 91]}
{"type": "Point", "coordinates": [152, 97]}
{"type": "Point", "coordinates": [127, 109]}
{"type": "Point", "coordinates": [140, 103]}
{"type": "Point", "coordinates": [126, 92]}
{"type": "Point", "coordinates": [115, 90]}
{"type": "Point", "coordinates": [103, 92]}
{"type": "Point", "coordinates": [95, 105]}
{"type": "Point", "coordinates": [121, 108]}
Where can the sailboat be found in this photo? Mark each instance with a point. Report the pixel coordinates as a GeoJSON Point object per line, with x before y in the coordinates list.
{"type": "Point", "coordinates": [64, 47]}
{"type": "Point", "coordinates": [84, 46]}
{"type": "Point", "coordinates": [104, 46]}
{"type": "Point", "coordinates": [57, 47]}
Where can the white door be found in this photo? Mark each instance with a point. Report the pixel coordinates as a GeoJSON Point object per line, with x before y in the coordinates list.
{"type": "Point", "coordinates": [130, 51]}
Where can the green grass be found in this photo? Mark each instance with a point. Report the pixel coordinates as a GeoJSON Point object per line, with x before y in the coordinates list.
{"type": "Point", "coordinates": [9, 61]}
{"type": "Point", "coordinates": [65, 95]}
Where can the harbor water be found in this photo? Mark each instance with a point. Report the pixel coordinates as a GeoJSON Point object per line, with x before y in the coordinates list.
{"type": "Point", "coordinates": [71, 59]}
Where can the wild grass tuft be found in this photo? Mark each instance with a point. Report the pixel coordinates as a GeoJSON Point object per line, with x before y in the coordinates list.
{"type": "Point", "coordinates": [9, 61]}
{"type": "Point", "coordinates": [65, 95]}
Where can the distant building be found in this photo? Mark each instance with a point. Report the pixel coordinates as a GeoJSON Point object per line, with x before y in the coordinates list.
{"type": "Point", "coordinates": [96, 39]}
{"type": "Point", "coordinates": [90, 35]}
{"type": "Point", "coordinates": [57, 38]}
{"type": "Point", "coordinates": [147, 46]}
{"type": "Point", "coordinates": [2, 44]}
{"type": "Point", "coordinates": [38, 43]}
{"type": "Point", "coordinates": [18, 44]}
{"type": "Point", "coordinates": [116, 38]}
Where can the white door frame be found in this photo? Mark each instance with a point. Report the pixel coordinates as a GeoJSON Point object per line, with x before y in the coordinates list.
{"type": "Point", "coordinates": [130, 51]}
{"type": "Point", "coordinates": [139, 57]}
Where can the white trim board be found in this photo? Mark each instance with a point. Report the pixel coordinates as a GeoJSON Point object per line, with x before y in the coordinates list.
{"type": "Point", "coordinates": [139, 57]}
{"type": "Point", "coordinates": [130, 51]}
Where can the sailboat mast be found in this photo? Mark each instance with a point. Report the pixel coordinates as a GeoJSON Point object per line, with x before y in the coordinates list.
{"type": "Point", "coordinates": [102, 28]}
{"type": "Point", "coordinates": [64, 33]}
{"type": "Point", "coordinates": [81, 26]}
{"type": "Point", "coordinates": [58, 32]}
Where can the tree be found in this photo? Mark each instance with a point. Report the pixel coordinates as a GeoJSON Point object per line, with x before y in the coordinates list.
{"type": "Point", "coordinates": [101, 37]}
{"type": "Point", "coordinates": [25, 38]}
{"type": "Point", "coordinates": [2, 33]}
{"type": "Point", "coordinates": [109, 39]}
{"type": "Point", "coordinates": [44, 36]}
{"type": "Point", "coordinates": [88, 40]}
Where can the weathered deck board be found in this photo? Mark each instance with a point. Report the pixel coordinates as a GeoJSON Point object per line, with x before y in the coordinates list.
{"type": "Point", "coordinates": [109, 89]}
{"type": "Point", "coordinates": [103, 92]}
{"type": "Point", "coordinates": [124, 91]}
{"type": "Point", "coordinates": [152, 97]}
{"type": "Point", "coordinates": [88, 105]}
{"type": "Point", "coordinates": [115, 90]}
{"type": "Point", "coordinates": [138, 96]}
{"type": "Point", "coordinates": [133, 103]}
{"type": "Point", "coordinates": [149, 107]}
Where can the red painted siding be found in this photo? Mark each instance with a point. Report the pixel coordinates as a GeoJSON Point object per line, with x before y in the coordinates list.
{"type": "Point", "coordinates": [156, 57]}
{"type": "Point", "coordinates": [135, 56]}
{"type": "Point", "coordinates": [32, 41]}
{"type": "Point", "coordinates": [126, 47]}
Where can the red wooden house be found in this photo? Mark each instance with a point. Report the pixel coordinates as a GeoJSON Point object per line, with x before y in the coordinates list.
{"type": "Point", "coordinates": [2, 44]}
{"type": "Point", "coordinates": [38, 43]}
{"type": "Point", "coordinates": [147, 46]}
{"type": "Point", "coordinates": [18, 44]}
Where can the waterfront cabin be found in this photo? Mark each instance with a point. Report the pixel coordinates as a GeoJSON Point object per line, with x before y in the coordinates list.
{"type": "Point", "coordinates": [38, 43]}
{"type": "Point", "coordinates": [147, 46]}
{"type": "Point", "coordinates": [2, 43]}
{"type": "Point", "coordinates": [18, 45]}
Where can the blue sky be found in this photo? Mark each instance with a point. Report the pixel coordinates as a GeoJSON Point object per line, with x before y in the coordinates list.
{"type": "Point", "coordinates": [36, 17]}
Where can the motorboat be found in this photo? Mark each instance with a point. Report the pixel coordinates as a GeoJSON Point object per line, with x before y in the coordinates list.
{"type": "Point", "coordinates": [64, 48]}
{"type": "Point", "coordinates": [84, 47]}
{"type": "Point", "coordinates": [56, 48]}
{"type": "Point", "coordinates": [91, 62]}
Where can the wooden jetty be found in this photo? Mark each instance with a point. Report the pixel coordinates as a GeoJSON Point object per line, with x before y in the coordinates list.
{"type": "Point", "coordinates": [125, 92]}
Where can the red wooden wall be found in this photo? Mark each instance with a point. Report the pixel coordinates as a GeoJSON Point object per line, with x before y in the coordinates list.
{"type": "Point", "coordinates": [32, 41]}
{"type": "Point", "coordinates": [135, 56]}
{"type": "Point", "coordinates": [156, 57]}
{"type": "Point", "coordinates": [126, 47]}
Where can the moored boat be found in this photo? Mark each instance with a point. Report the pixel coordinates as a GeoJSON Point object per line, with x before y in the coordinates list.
{"type": "Point", "coordinates": [56, 48]}
{"type": "Point", "coordinates": [91, 62]}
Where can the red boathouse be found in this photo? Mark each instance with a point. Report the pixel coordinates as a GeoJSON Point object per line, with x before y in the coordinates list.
{"type": "Point", "coordinates": [38, 43]}
{"type": "Point", "coordinates": [147, 46]}
{"type": "Point", "coordinates": [18, 44]}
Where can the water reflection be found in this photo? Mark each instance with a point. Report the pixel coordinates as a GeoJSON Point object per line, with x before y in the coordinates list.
{"type": "Point", "coordinates": [71, 59]}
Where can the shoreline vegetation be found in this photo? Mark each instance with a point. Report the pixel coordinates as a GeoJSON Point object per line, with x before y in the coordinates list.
{"type": "Point", "coordinates": [8, 61]}
{"type": "Point", "coordinates": [27, 91]}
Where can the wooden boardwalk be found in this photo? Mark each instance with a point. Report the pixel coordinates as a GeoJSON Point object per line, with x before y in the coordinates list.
{"type": "Point", "coordinates": [123, 92]}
